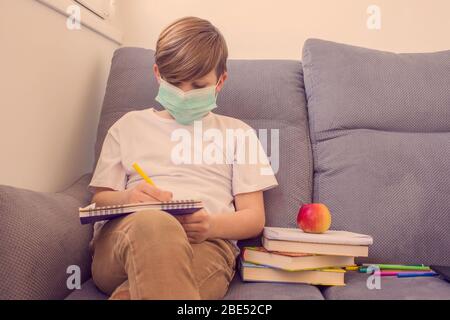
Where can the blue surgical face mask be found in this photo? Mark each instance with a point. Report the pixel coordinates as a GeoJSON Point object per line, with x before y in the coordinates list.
{"type": "Point", "coordinates": [186, 107]}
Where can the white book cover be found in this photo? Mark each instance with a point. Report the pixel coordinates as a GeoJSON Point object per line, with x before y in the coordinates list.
{"type": "Point", "coordinates": [329, 237]}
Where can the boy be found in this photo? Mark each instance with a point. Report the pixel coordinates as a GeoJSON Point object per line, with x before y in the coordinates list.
{"type": "Point", "coordinates": [152, 254]}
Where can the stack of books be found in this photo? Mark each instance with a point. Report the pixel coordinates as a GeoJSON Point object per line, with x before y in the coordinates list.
{"type": "Point", "coordinates": [293, 256]}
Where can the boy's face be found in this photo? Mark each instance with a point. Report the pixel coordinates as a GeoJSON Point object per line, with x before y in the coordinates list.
{"type": "Point", "coordinates": [206, 81]}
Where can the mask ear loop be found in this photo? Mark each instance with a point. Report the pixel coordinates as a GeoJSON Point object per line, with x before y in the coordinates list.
{"type": "Point", "coordinates": [217, 93]}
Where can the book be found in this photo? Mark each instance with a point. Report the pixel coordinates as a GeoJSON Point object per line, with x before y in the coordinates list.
{"type": "Point", "coordinates": [315, 248]}
{"type": "Point", "coordinates": [293, 261]}
{"type": "Point", "coordinates": [329, 237]}
{"type": "Point", "coordinates": [91, 213]}
{"type": "Point", "coordinates": [332, 242]}
{"type": "Point", "coordinates": [257, 273]}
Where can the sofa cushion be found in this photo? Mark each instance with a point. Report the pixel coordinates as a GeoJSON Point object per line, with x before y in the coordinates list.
{"type": "Point", "coordinates": [238, 290]}
{"type": "Point", "coordinates": [380, 130]}
{"type": "Point", "coordinates": [266, 94]}
{"type": "Point", "coordinates": [88, 291]}
{"type": "Point", "coordinates": [41, 236]}
{"type": "Point", "coordinates": [391, 288]}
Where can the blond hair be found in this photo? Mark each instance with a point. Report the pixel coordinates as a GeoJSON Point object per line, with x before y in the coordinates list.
{"type": "Point", "coordinates": [190, 48]}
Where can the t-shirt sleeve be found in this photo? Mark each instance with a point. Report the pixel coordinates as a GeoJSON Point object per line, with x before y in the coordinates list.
{"type": "Point", "coordinates": [251, 167]}
{"type": "Point", "coordinates": [109, 172]}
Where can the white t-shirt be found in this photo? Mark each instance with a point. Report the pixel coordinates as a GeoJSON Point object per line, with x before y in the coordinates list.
{"type": "Point", "coordinates": [191, 161]}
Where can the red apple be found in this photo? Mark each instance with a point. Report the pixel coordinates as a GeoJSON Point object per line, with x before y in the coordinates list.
{"type": "Point", "coordinates": [314, 218]}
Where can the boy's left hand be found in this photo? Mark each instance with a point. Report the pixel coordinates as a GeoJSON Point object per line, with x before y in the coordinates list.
{"type": "Point", "coordinates": [197, 225]}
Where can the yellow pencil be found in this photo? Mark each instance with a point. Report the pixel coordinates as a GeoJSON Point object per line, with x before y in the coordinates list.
{"type": "Point", "coordinates": [142, 174]}
{"type": "Point", "coordinates": [352, 268]}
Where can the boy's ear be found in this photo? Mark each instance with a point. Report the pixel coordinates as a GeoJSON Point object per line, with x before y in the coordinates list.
{"type": "Point", "coordinates": [156, 72]}
{"type": "Point", "coordinates": [222, 81]}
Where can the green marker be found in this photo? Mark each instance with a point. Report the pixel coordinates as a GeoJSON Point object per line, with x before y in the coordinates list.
{"type": "Point", "coordinates": [398, 267]}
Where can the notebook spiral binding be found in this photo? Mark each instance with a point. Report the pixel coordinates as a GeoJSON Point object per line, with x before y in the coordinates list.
{"type": "Point", "coordinates": [165, 205]}
{"type": "Point", "coordinates": [92, 214]}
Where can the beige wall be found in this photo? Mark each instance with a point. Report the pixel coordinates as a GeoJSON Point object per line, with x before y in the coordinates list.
{"type": "Point", "coordinates": [52, 83]}
{"type": "Point", "coordinates": [277, 29]}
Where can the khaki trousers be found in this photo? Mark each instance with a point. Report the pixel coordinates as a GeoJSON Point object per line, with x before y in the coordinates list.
{"type": "Point", "coordinates": [147, 255]}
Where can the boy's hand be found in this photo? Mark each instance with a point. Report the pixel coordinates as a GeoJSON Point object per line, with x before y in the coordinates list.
{"type": "Point", "coordinates": [144, 192]}
{"type": "Point", "coordinates": [197, 225]}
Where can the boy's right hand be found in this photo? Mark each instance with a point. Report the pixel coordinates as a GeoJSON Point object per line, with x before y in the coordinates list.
{"type": "Point", "coordinates": [144, 192]}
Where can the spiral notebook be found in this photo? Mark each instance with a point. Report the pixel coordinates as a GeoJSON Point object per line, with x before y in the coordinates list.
{"type": "Point", "coordinates": [91, 213]}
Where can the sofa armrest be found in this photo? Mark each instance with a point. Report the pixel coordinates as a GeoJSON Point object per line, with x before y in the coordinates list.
{"type": "Point", "coordinates": [40, 236]}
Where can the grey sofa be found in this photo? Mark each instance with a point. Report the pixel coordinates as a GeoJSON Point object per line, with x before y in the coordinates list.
{"type": "Point", "coordinates": [363, 131]}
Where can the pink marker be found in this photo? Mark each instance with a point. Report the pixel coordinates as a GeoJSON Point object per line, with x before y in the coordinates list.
{"type": "Point", "coordinates": [386, 273]}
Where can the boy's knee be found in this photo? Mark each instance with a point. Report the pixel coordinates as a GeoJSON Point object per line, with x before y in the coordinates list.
{"type": "Point", "coordinates": [154, 223]}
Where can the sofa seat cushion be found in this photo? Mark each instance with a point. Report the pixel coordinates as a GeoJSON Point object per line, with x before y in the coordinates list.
{"type": "Point", "coordinates": [88, 291]}
{"type": "Point", "coordinates": [391, 288]}
{"type": "Point", "coordinates": [238, 290]}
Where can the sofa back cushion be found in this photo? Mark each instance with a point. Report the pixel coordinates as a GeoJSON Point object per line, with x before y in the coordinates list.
{"type": "Point", "coordinates": [266, 94]}
{"type": "Point", "coordinates": [380, 129]}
